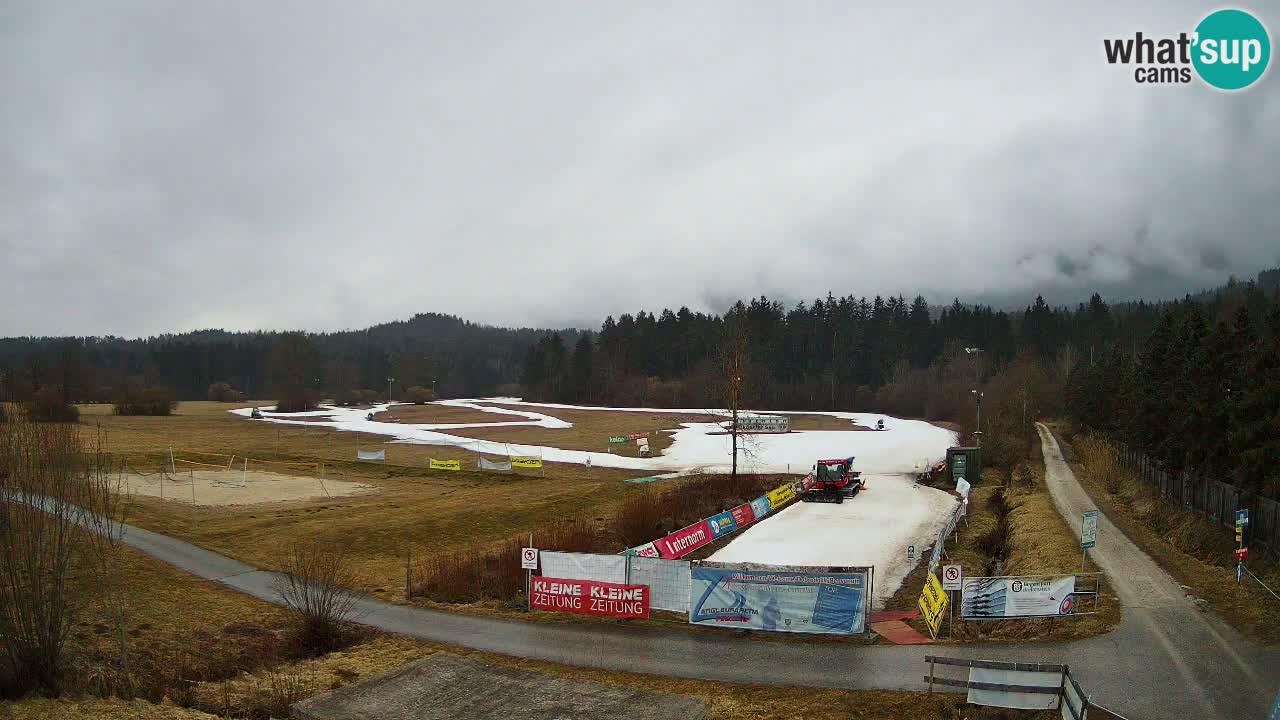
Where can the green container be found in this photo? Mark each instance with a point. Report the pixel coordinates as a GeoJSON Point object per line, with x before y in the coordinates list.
{"type": "Point", "coordinates": [965, 462]}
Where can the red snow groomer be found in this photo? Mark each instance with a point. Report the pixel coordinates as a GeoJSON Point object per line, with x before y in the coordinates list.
{"type": "Point", "coordinates": [832, 481]}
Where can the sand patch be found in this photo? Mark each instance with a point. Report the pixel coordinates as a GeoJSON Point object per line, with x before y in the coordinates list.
{"type": "Point", "coordinates": [233, 487]}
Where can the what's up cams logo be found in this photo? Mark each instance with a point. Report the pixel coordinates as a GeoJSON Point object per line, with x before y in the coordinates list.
{"type": "Point", "coordinates": [1229, 50]}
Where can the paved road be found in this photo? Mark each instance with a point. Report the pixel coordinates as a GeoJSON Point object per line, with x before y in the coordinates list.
{"type": "Point", "coordinates": [1167, 659]}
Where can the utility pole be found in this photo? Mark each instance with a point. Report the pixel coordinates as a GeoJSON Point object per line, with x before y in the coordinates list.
{"type": "Point", "coordinates": [389, 381]}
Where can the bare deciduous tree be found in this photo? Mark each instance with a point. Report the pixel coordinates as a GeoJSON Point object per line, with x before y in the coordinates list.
{"type": "Point", "coordinates": [735, 362]}
{"type": "Point", "coordinates": [57, 531]}
{"type": "Point", "coordinates": [315, 585]}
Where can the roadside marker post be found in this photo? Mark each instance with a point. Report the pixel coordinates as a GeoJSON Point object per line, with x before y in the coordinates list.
{"type": "Point", "coordinates": [952, 580]}
{"type": "Point", "coordinates": [529, 561]}
{"type": "Point", "coordinates": [1242, 552]}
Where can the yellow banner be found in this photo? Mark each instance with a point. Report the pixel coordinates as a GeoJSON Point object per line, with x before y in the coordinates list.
{"type": "Point", "coordinates": [933, 603]}
{"type": "Point", "coordinates": [781, 496]}
{"type": "Point", "coordinates": [446, 464]}
{"type": "Point", "coordinates": [526, 461]}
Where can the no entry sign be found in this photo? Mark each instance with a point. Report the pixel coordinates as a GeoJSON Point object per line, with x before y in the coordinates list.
{"type": "Point", "coordinates": [952, 577]}
{"type": "Point", "coordinates": [528, 558]}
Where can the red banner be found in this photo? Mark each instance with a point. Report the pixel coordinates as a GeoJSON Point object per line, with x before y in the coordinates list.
{"type": "Point", "coordinates": [637, 436]}
{"type": "Point", "coordinates": [742, 515]}
{"type": "Point", "coordinates": [808, 482]}
{"type": "Point", "coordinates": [587, 597]}
{"type": "Point", "coordinates": [686, 540]}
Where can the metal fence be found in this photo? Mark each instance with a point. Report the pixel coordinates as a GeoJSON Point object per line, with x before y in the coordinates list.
{"type": "Point", "coordinates": [1217, 501]}
{"type": "Point", "coordinates": [667, 580]}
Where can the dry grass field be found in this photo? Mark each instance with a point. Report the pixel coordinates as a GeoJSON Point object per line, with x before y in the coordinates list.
{"type": "Point", "coordinates": [198, 629]}
{"type": "Point", "coordinates": [408, 503]}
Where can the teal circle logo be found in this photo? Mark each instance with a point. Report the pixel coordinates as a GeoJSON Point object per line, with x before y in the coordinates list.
{"type": "Point", "coordinates": [1232, 49]}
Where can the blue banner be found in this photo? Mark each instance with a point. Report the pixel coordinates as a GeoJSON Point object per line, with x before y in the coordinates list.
{"type": "Point", "coordinates": [781, 600]}
{"type": "Point", "coordinates": [760, 506]}
{"type": "Point", "coordinates": [722, 524]}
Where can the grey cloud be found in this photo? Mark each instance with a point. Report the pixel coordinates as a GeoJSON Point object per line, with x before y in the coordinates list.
{"type": "Point", "coordinates": [326, 165]}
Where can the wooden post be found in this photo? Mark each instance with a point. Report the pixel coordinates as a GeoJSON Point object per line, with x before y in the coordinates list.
{"type": "Point", "coordinates": [930, 674]}
{"type": "Point", "coordinates": [408, 570]}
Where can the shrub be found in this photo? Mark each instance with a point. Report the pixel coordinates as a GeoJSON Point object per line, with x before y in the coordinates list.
{"type": "Point", "coordinates": [316, 586]}
{"type": "Point", "coordinates": [298, 400]}
{"type": "Point", "coordinates": [137, 400]}
{"type": "Point", "coordinates": [49, 404]}
{"type": "Point", "coordinates": [356, 396]}
{"type": "Point", "coordinates": [419, 395]}
{"type": "Point", "coordinates": [223, 392]}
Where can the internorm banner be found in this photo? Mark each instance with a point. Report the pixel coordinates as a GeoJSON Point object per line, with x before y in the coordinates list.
{"type": "Point", "coordinates": [685, 540]}
{"type": "Point", "coordinates": [779, 599]}
{"type": "Point", "coordinates": [1010, 597]}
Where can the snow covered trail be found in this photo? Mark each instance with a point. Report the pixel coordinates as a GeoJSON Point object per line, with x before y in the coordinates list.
{"type": "Point", "coordinates": [872, 529]}
{"type": "Point", "coordinates": [901, 447]}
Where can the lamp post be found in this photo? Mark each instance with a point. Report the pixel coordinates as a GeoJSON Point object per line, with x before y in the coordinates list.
{"type": "Point", "coordinates": [977, 394]}
{"type": "Point", "coordinates": [389, 381]}
{"type": "Point", "coordinates": [977, 434]}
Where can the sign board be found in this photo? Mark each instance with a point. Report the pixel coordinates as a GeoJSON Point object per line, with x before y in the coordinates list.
{"type": "Point", "coordinates": [722, 524]}
{"type": "Point", "coordinates": [911, 553]}
{"type": "Point", "coordinates": [445, 464]}
{"type": "Point", "coordinates": [589, 597]}
{"type": "Point", "coordinates": [647, 550]}
{"type": "Point", "coordinates": [951, 577]}
{"type": "Point", "coordinates": [962, 487]}
{"type": "Point", "coordinates": [1009, 597]}
{"type": "Point", "coordinates": [528, 558]}
{"type": "Point", "coordinates": [933, 603]}
{"type": "Point", "coordinates": [526, 461]}
{"type": "Point", "coordinates": [685, 540]}
{"type": "Point", "coordinates": [781, 496]}
{"type": "Point", "coordinates": [1089, 529]}
{"type": "Point", "coordinates": [615, 439]}
{"type": "Point", "coordinates": [743, 515]}
{"type": "Point", "coordinates": [637, 436]}
{"type": "Point", "coordinates": [1242, 518]}
{"type": "Point", "coordinates": [371, 455]}
{"type": "Point", "coordinates": [781, 599]}
{"type": "Point", "coordinates": [760, 507]}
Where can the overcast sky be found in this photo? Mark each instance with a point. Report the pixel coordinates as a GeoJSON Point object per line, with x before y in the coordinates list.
{"type": "Point", "coordinates": [171, 166]}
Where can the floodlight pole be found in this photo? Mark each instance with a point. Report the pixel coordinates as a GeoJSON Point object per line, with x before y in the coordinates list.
{"type": "Point", "coordinates": [389, 381]}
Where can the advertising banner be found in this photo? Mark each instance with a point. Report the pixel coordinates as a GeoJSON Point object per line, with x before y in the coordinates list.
{"type": "Point", "coordinates": [648, 550]}
{"type": "Point", "coordinates": [722, 524]}
{"type": "Point", "coordinates": [933, 603]}
{"type": "Point", "coordinates": [445, 464]}
{"type": "Point", "coordinates": [743, 516]}
{"type": "Point", "coordinates": [804, 600]}
{"type": "Point", "coordinates": [638, 436]}
{"type": "Point", "coordinates": [491, 465]}
{"type": "Point", "coordinates": [760, 507]}
{"type": "Point", "coordinates": [615, 439]}
{"type": "Point", "coordinates": [526, 461]}
{"type": "Point", "coordinates": [1009, 597]}
{"type": "Point", "coordinates": [781, 496]}
{"type": "Point", "coordinates": [371, 454]}
{"type": "Point", "coordinates": [587, 597]}
{"type": "Point", "coordinates": [685, 540]}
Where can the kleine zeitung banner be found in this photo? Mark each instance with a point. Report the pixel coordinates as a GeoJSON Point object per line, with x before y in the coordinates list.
{"type": "Point", "coordinates": [589, 597]}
